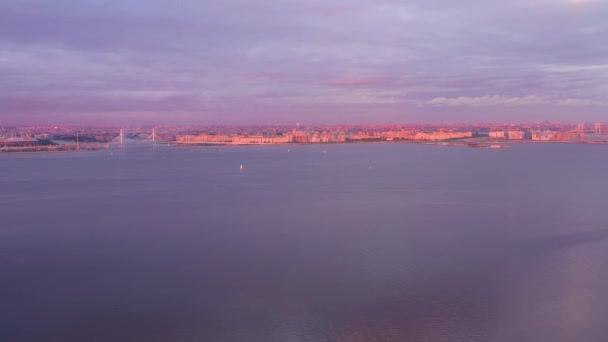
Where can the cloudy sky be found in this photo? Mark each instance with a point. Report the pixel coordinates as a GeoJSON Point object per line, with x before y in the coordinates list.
{"type": "Point", "coordinates": [310, 61]}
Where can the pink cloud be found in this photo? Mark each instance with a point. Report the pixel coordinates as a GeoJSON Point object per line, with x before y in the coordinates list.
{"type": "Point", "coordinates": [355, 82]}
{"type": "Point", "coordinates": [332, 11]}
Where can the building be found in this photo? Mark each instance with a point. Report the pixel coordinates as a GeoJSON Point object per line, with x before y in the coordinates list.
{"type": "Point", "coordinates": [202, 139]}
{"type": "Point", "coordinates": [516, 135]}
{"type": "Point", "coordinates": [438, 136]}
{"type": "Point", "coordinates": [498, 135]}
{"type": "Point", "coordinates": [553, 136]}
{"type": "Point", "coordinates": [17, 139]}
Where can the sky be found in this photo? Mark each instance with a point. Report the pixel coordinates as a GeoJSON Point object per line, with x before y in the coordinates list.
{"type": "Point", "coordinates": [308, 61]}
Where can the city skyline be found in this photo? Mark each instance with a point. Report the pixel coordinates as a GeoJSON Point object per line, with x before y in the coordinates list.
{"type": "Point", "coordinates": [240, 62]}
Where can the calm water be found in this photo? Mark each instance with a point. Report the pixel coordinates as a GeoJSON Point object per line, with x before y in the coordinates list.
{"type": "Point", "coordinates": [378, 242]}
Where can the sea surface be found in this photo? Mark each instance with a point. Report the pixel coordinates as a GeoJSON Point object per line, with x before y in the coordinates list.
{"type": "Point", "coordinates": [351, 242]}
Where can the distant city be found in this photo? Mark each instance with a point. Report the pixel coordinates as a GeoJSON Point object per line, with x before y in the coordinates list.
{"type": "Point", "coordinates": [482, 135]}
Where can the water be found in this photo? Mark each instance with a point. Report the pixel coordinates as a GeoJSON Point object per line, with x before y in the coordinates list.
{"type": "Point", "coordinates": [366, 242]}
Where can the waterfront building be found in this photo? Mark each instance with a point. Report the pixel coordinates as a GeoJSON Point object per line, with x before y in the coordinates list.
{"type": "Point", "coordinates": [498, 135]}
{"type": "Point", "coordinates": [516, 135]}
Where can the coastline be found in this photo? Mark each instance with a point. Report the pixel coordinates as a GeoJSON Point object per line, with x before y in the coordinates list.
{"type": "Point", "coordinates": [451, 143]}
{"type": "Point", "coordinates": [483, 143]}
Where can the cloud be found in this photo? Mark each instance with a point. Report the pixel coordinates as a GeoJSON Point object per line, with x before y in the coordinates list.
{"type": "Point", "coordinates": [502, 101]}
{"type": "Point", "coordinates": [575, 68]}
{"type": "Point", "coordinates": [355, 82]}
{"type": "Point", "coordinates": [580, 2]}
{"type": "Point", "coordinates": [242, 59]}
{"type": "Point", "coordinates": [333, 11]}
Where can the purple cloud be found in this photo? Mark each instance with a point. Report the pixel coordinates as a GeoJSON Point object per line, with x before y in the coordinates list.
{"type": "Point", "coordinates": [230, 61]}
{"type": "Point", "coordinates": [355, 82]}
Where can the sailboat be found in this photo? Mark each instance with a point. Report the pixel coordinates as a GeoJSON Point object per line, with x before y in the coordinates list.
{"type": "Point", "coordinates": [241, 167]}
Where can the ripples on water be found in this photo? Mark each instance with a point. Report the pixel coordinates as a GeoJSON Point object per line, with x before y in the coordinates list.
{"type": "Point", "coordinates": [378, 242]}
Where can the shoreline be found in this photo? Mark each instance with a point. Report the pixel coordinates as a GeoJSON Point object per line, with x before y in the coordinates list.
{"type": "Point", "coordinates": [453, 143]}
{"type": "Point", "coordinates": [471, 143]}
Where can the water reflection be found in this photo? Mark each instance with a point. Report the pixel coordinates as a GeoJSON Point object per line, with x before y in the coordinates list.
{"type": "Point", "coordinates": [430, 244]}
